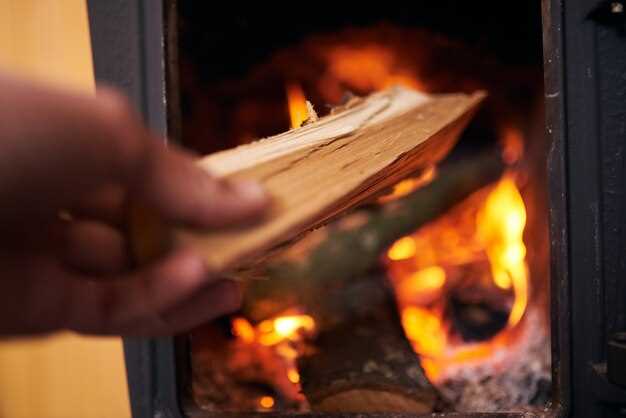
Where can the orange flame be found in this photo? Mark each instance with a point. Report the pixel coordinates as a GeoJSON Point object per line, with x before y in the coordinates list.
{"type": "Point", "coordinates": [402, 249]}
{"type": "Point", "coordinates": [296, 102]}
{"type": "Point", "coordinates": [274, 331]}
{"type": "Point", "coordinates": [512, 144]}
{"type": "Point", "coordinates": [493, 226]}
{"type": "Point", "coordinates": [293, 375]}
{"type": "Point", "coordinates": [408, 186]}
{"type": "Point", "coordinates": [368, 68]}
{"type": "Point", "coordinates": [266, 402]}
{"type": "Point", "coordinates": [430, 278]}
{"type": "Point", "coordinates": [282, 335]}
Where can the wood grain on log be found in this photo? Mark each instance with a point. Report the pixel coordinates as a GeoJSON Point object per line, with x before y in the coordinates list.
{"type": "Point", "coordinates": [319, 170]}
{"type": "Point", "coordinates": [366, 364]}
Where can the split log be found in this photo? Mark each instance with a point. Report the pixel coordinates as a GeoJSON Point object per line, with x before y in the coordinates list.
{"type": "Point", "coordinates": [319, 170]}
{"type": "Point", "coordinates": [366, 364]}
{"type": "Point", "coordinates": [344, 255]}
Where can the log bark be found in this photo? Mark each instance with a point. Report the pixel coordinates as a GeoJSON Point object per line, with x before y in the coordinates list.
{"type": "Point", "coordinates": [344, 255]}
{"type": "Point", "coordinates": [366, 364]}
{"type": "Point", "coordinates": [319, 170]}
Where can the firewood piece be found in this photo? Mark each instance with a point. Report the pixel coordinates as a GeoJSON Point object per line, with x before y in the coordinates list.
{"type": "Point", "coordinates": [319, 170]}
{"type": "Point", "coordinates": [344, 255]}
{"type": "Point", "coordinates": [366, 365]}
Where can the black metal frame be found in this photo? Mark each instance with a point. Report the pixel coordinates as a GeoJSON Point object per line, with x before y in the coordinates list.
{"type": "Point", "coordinates": [128, 52]}
{"type": "Point", "coordinates": [585, 67]}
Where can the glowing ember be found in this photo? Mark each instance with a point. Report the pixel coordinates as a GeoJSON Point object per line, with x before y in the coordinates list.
{"type": "Point", "coordinates": [266, 402]}
{"type": "Point", "coordinates": [293, 376]}
{"type": "Point", "coordinates": [274, 331]}
{"type": "Point", "coordinates": [488, 226]}
{"type": "Point", "coordinates": [283, 335]}
{"type": "Point", "coordinates": [296, 101]}
{"type": "Point", "coordinates": [402, 249]}
{"type": "Point", "coordinates": [243, 329]}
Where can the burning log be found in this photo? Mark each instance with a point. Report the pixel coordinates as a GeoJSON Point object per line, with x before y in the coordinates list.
{"type": "Point", "coordinates": [319, 170]}
{"type": "Point", "coordinates": [366, 364]}
{"type": "Point", "coordinates": [343, 255]}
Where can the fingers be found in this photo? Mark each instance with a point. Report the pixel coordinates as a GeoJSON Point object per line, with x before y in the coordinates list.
{"type": "Point", "coordinates": [95, 248]}
{"type": "Point", "coordinates": [74, 144]}
{"type": "Point", "coordinates": [59, 145]}
{"type": "Point", "coordinates": [172, 296]}
{"type": "Point", "coordinates": [215, 300]}
{"type": "Point", "coordinates": [106, 204]}
{"type": "Point", "coordinates": [184, 193]}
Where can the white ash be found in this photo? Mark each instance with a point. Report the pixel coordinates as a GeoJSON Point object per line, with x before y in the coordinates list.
{"type": "Point", "coordinates": [519, 383]}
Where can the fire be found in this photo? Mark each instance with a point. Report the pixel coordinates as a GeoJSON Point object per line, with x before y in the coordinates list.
{"type": "Point", "coordinates": [368, 68]}
{"type": "Point", "coordinates": [425, 330]}
{"type": "Point", "coordinates": [408, 186]}
{"type": "Point", "coordinates": [500, 226]}
{"type": "Point", "coordinates": [402, 249]}
{"type": "Point", "coordinates": [488, 231]}
{"type": "Point", "coordinates": [293, 375]}
{"type": "Point", "coordinates": [266, 402]}
{"type": "Point", "coordinates": [274, 331]}
{"type": "Point", "coordinates": [243, 329]}
{"type": "Point", "coordinates": [512, 144]}
{"type": "Point", "coordinates": [296, 102]}
{"type": "Point", "coordinates": [284, 335]}
{"type": "Point", "coordinates": [428, 279]}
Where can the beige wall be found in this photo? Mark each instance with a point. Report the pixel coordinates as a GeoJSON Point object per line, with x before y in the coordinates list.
{"type": "Point", "coordinates": [65, 375]}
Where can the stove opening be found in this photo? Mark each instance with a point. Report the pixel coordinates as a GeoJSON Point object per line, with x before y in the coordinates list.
{"type": "Point", "coordinates": [454, 315]}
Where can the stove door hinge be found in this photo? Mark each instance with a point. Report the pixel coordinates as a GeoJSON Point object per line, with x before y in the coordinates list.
{"type": "Point", "coordinates": [609, 379]}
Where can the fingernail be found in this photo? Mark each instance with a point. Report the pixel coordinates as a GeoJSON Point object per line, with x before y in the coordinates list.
{"type": "Point", "coordinates": [250, 190]}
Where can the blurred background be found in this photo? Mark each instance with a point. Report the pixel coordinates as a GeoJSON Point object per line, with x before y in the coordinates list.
{"type": "Point", "coordinates": [62, 375]}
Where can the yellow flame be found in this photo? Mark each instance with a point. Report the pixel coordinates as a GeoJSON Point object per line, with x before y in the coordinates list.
{"type": "Point", "coordinates": [430, 278]}
{"type": "Point", "coordinates": [500, 228]}
{"type": "Point", "coordinates": [296, 101]}
{"type": "Point", "coordinates": [274, 331]}
{"type": "Point", "coordinates": [424, 329]}
{"type": "Point", "coordinates": [266, 402]}
{"type": "Point", "coordinates": [402, 249]}
{"type": "Point", "coordinates": [281, 334]}
{"type": "Point", "coordinates": [286, 326]}
{"type": "Point", "coordinates": [493, 226]}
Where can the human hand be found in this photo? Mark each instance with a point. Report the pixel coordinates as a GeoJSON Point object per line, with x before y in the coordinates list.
{"type": "Point", "coordinates": [84, 155]}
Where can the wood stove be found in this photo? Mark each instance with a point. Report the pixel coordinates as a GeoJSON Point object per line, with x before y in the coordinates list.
{"type": "Point", "coordinates": [142, 47]}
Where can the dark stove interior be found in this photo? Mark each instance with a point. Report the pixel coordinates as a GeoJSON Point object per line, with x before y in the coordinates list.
{"type": "Point", "coordinates": [241, 76]}
{"type": "Point", "coordinates": [233, 63]}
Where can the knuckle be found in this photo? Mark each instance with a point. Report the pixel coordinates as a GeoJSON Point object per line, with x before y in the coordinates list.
{"type": "Point", "coordinates": [114, 107]}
